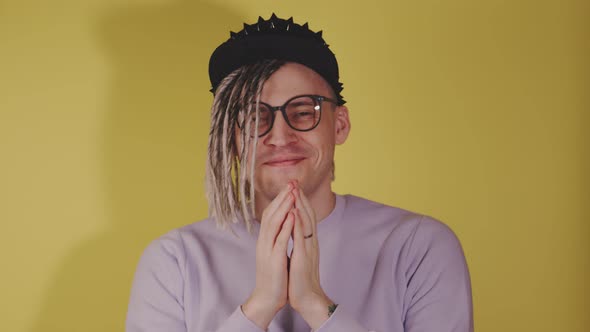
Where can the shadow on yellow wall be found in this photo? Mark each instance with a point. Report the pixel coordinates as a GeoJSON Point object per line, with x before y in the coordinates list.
{"type": "Point", "coordinates": [484, 126]}
{"type": "Point", "coordinates": [156, 54]}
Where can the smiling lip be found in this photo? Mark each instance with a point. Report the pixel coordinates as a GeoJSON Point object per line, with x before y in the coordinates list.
{"type": "Point", "coordinates": [283, 163]}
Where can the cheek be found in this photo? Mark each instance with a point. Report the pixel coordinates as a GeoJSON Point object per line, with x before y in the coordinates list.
{"type": "Point", "coordinates": [323, 150]}
{"type": "Point", "coordinates": [238, 145]}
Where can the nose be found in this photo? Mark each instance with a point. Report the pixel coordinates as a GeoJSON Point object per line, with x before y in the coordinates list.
{"type": "Point", "coordinates": [280, 134]}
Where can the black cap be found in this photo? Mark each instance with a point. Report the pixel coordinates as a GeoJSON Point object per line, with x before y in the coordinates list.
{"type": "Point", "coordinates": [278, 39]}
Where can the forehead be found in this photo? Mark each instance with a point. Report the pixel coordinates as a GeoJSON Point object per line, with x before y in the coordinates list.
{"type": "Point", "coordinates": [293, 79]}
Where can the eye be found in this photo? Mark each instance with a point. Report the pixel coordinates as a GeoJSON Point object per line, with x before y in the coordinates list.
{"type": "Point", "coordinates": [303, 114]}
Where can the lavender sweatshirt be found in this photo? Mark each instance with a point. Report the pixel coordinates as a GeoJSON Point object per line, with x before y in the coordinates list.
{"type": "Point", "coordinates": [387, 268]}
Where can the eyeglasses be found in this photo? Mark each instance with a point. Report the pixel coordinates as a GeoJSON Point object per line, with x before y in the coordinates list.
{"type": "Point", "coordinates": [302, 113]}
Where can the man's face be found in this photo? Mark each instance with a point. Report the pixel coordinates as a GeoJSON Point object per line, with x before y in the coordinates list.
{"type": "Point", "coordinates": [286, 154]}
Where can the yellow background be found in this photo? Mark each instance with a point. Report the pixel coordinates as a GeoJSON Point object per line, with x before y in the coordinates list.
{"type": "Point", "coordinates": [475, 112]}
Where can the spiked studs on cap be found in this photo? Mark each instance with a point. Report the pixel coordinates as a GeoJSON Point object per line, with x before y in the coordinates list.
{"type": "Point", "coordinates": [279, 39]}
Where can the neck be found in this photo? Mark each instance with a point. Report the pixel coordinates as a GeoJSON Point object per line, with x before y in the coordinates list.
{"type": "Point", "coordinates": [322, 201]}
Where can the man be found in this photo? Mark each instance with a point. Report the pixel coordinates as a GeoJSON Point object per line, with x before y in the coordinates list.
{"type": "Point", "coordinates": [276, 118]}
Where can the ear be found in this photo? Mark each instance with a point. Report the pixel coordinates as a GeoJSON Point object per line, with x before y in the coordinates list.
{"type": "Point", "coordinates": [341, 124]}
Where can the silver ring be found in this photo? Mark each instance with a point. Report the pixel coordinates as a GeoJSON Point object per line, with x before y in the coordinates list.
{"type": "Point", "coordinates": [308, 236]}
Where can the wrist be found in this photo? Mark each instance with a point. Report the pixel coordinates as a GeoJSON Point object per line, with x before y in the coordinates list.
{"type": "Point", "coordinates": [259, 312]}
{"type": "Point", "coordinates": [316, 311]}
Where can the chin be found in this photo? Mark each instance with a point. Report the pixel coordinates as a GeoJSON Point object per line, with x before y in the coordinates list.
{"type": "Point", "coordinates": [272, 187]}
{"type": "Point", "coordinates": [281, 183]}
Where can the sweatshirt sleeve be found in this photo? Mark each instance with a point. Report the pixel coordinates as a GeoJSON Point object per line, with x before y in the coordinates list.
{"type": "Point", "coordinates": [438, 294]}
{"type": "Point", "coordinates": [156, 303]}
{"type": "Point", "coordinates": [156, 300]}
{"type": "Point", "coordinates": [341, 321]}
{"type": "Point", "coordinates": [438, 288]}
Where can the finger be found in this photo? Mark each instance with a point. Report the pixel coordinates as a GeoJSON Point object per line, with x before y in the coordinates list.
{"type": "Point", "coordinates": [298, 241]}
{"type": "Point", "coordinates": [306, 216]}
{"type": "Point", "coordinates": [298, 201]}
{"type": "Point", "coordinates": [273, 222]}
{"type": "Point", "coordinates": [307, 205]}
{"type": "Point", "coordinates": [274, 204]}
{"type": "Point", "coordinates": [265, 233]}
{"type": "Point", "coordinates": [283, 238]}
{"type": "Point", "coordinates": [312, 218]}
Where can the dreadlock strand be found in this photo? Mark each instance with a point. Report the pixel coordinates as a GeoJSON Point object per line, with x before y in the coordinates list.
{"type": "Point", "coordinates": [215, 174]}
{"type": "Point", "coordinates": [227, 166]}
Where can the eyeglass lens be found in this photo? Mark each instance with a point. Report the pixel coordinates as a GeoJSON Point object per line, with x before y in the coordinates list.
{"type": "Point", "coordinates": [303, 113]}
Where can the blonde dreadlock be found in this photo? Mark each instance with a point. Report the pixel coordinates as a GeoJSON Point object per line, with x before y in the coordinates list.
{"type": "Point", "coordinates": [236, 99]}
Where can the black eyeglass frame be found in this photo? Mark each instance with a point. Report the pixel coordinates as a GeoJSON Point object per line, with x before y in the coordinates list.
{"type": "Point", "coordinates": [318, 99]}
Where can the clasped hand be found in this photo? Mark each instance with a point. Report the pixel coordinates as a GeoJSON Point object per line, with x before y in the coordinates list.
{"type": "Point", "coordinates": [280, 280]}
